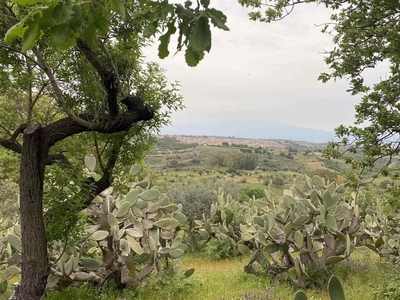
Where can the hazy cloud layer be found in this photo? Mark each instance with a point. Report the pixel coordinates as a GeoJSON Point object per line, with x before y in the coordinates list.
{"type": "Point", "coordinates": [263, 72]}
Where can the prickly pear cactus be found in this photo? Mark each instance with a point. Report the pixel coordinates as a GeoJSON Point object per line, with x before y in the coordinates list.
{"type": "Point", "coordinates": [335, 290]}
{"type": "Point", "coordinates": [130, 237]}
{"type": "Point", "coordinates": [315, 222]}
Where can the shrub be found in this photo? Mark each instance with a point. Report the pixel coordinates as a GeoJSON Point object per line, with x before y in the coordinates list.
{"type": "Point", "coordinates": [216, 250]}
{"type": "Point", "coordinates": [9, 203]}
{"type": "Point", "coordinates": [278, 181]}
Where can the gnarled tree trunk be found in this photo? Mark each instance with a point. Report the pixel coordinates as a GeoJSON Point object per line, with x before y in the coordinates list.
{"type": "Point", "coordinates": [34, 245]}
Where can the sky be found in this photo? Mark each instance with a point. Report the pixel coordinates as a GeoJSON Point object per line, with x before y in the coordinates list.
{"type": "Point", "coordinates": [263, 72]}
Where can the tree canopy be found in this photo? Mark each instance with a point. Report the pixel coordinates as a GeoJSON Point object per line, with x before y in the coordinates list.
{"type": "Point", "coordinates": [73, 72]}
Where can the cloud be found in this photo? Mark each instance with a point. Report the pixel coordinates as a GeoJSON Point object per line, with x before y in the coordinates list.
{"type": "Point", "coordinates": [268, 71]}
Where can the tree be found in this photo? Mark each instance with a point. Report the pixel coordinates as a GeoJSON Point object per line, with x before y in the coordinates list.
{"type": "Point", "coordinates": [366, 34]}
{"type": "Point", "coordinates": [82, 57]}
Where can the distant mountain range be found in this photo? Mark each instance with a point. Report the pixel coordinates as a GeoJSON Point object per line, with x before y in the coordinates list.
{"type": "Point", "coordinates": [253, 130]}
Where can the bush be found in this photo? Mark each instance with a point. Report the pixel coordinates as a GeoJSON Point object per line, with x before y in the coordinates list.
{"type": "Point", "coordinates": [216, 250]}
{"type": "Point", "coordinates": [278, 181]}
{"type": "Point", "coordinates": [390, 289]}
{"type": "Point", "coordinates": [9, 195]}
{"type": "Point", "coordinates": [247, 193]}
{"type": "Point", "coordinates": [196, 196]}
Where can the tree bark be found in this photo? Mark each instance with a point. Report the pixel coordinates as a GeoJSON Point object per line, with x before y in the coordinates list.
{"type": "Point", "coordinates": [34, 262]}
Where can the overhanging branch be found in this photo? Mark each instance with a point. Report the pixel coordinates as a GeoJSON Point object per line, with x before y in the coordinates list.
{"type": "Point", "coordinates": [66, 127]}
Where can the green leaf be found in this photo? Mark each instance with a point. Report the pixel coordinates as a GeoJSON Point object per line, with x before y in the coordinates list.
{"type": "Point", "coordinates": [90, 264]}
{"type": "Point", "coordinates": [99, 235]}
{"type": "Point", "coordinates": [124, 209]}
{"type": "Point", "coordinates": [112, 220]}
{"type": "Point", "coordinates": [134, 232]}
{"type": "Point", "coordinates": [62, 13]}
{"type": "Point", "coordinates": [272, 248]}
{"type": "Point", "coordinates": [90, 160]}
{"type": "Point", "coordinates": [218, 19]}
{"type": "Point", "coordinates": [170, 207]}
{"type": "Point", "coordinates": [29, 2]}
{"type": "Point", "coordinates": [14, 241]}
{"type": "Point", "coordinates": [90, 36]}
{"type": "Point", "coordinates": [179, 216]}
{"type": "Point", "coordinates": [152, 244]}
{"type": "Point", "coordinates": [124, 247]}
{"type": "Point", "coordinates": [200, 37]}
{"type": "Point", "coordinates": [363, 249]}
{"type": "Point", "coordinates": [3, 286]}
{"type": "Point", "coordinates": [300, 295]}
{"type": "Point", "coordinates": [318, 181]}
{"type": "Point", "coordinates": [11, 272]}
{"type": "Point", "coordinates": [335, 289]}
{"type": "Point", "coordinates": [150, 30]}
{"type": "Point", "coordinates": [17, 229]}
{"type": "Point", "coordinates": [167, 224]}
{"type": "Point", "coordinates": [379, 242]}
{"type": "Point", "coordinates": [176, 253]}
{"type": "Point", "coordinates": [164, 40]}
{"type": "Point", "coordinates": [118, 7]}
{"type": "Point", "coordinates": [16, 31]}
{"type": "Point", "coordinates": [205, 3]}
{"type": "Point", "coordinates": [298, 237]}
{"type": "Point", "coordinates": [188, 273]}
{"type": "Point", "coordinates": [341, 189]}
{"type": "Point", "coordinates": [243, 249]}
{"type": "Point", "coordinates": [334, 259]}
{"type": "Point", "coordinates": [32, 33]}
{"type": "Point", "coordinates": [135, 246]}
{"type": "Point", "coordinates": [193, 58]}
{"type": "Point", "coordinates": [135, 169]}
{"type": "Point", "coordinates": [292, 273]}
{"type": "Point", "coordinates": [142, 258]}
{"type": "Point", "coordinates": [150, 195]}
{"type": "Point", "coordinates": [52, 281]}
{"type": "Point", "coordinates": [62, 37]}
{"type": "Point", "coordinates": [331, 222]}
{"type": "Point", "coordinates": [132, 197]}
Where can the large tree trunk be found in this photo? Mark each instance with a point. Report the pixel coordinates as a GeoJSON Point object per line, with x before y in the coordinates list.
{"type": "Point", "coordinates": [34, 263]}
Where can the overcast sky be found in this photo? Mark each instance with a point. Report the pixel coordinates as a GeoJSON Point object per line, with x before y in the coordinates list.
{"type": "Point", "coordinates": [263, 72]}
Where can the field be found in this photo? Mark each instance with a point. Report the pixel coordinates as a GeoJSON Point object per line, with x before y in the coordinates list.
{"type": "Point", "coordinates": [271, 165]}
{"type": "Point", "coordinates": [225, 279]}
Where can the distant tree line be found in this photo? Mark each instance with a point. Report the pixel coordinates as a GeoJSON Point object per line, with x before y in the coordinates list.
{"type": "Point", "coordinates": [235, 160]}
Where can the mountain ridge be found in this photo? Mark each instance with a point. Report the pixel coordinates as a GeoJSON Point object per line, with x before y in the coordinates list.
{"type": "Point", "coordinates": [250, 130]}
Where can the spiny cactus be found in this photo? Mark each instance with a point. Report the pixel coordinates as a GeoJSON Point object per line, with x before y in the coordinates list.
{"type": "Point", "coordinates": [129, 237]}
{"type": "Point", "coordinates": [335, 290]}
{"type": "Point", "coordinates": [315, 223]}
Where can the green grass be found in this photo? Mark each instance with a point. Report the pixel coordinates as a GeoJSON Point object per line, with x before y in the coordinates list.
{"type": "Point", "coordinates": [225, 279]}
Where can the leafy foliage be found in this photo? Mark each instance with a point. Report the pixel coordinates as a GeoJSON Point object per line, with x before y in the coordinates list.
{"type": "Point", "coordinates": [196, 196]}
{"type": "Point", "coordinates": [9, 196]}
{"type": "Point", "coordinates": [235, 160]}
{"type": "Point", "coordinates": [132, 234]}
{"type": "Point", "coordinates": [63, 22]}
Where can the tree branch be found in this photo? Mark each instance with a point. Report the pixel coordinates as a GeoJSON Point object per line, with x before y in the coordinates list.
{"type": "Point", "coordinates": [95, 188]}
{"type": "Point", "coordinates": [66, 127]}
{"type": "Point", "coordinates": [59, 95]}
{"type": "Point", "coordinates": [109, 77]}
{"type": "Point", "coordinates": [11, 145]}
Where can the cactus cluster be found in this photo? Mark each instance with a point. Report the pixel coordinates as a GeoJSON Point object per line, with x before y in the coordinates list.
{"type": "Point", "coordinates": [314, 223]}
{"type": "Point", "coordinates": [128, 239]}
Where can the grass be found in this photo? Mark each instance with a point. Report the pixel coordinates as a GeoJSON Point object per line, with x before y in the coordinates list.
{"type": "Point", "coordinates": [225, 279]}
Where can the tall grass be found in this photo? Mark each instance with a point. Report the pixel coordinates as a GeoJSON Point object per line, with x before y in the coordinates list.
{"type": "Point", "coordinates": [224, 279]}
